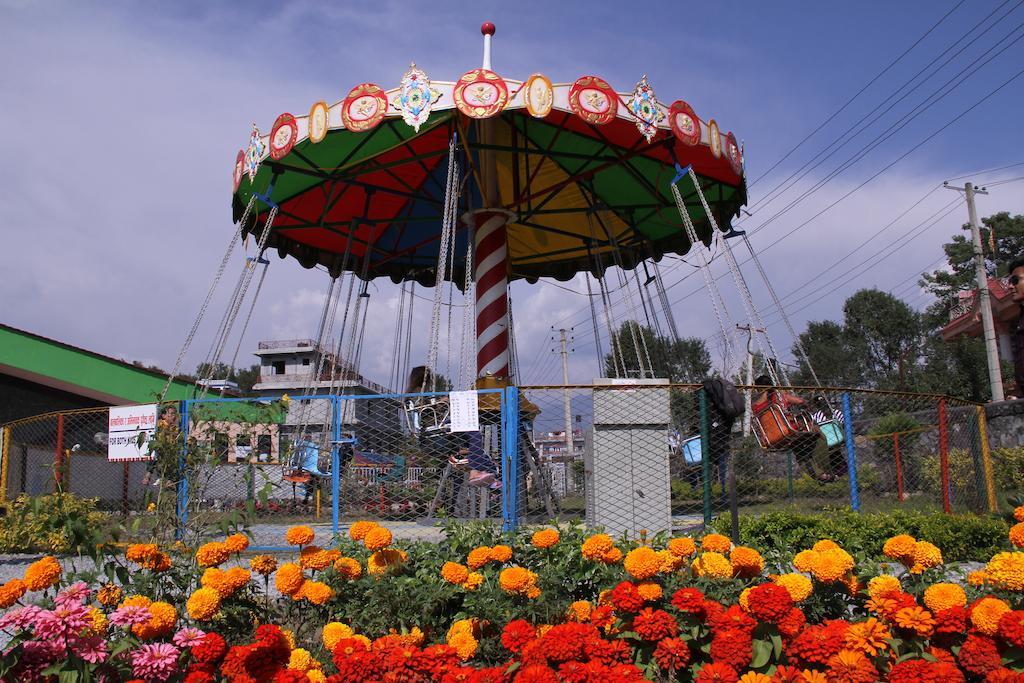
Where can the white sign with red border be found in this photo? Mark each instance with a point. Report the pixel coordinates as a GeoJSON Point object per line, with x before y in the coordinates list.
{"type": "Point", "coordinates": [124, 425]}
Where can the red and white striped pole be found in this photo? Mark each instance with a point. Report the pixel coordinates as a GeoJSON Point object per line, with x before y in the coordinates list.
{"type": "Point", "coordinates": [491, 277]}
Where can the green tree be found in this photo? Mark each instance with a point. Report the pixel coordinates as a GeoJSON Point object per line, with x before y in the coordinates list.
{"type": "Point", "coordinates": [833, 359]}
{"type": "Point", "coordinates": [884, 334]}
{"type": "Point", "coordinates": [686, 360]}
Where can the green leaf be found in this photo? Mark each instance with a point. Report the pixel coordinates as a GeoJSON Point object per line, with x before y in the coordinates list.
{"type": "Point", "coordinates": [762, 654]}
{"type": "Point", "coordinates": [776, 641]}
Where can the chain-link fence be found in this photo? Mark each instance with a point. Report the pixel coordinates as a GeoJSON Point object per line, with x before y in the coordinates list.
{"type": "Point", "coordinates": [625, 457]}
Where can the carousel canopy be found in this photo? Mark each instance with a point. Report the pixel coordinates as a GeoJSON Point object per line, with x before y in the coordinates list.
{"type": "Point", "coordinates": [583, 169]}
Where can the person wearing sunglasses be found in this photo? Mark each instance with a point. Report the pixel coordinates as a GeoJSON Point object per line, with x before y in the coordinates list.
{"type": "Point", "coordinates": [1016, 278]}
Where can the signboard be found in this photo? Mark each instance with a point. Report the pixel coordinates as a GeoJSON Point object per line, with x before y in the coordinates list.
{"type": "Point", "coordinates": [124, 425]}
{"type": "Point", "coordinates": [465, 411]}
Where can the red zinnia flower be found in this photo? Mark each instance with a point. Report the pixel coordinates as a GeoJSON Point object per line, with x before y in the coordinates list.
{"type": "Point", "coordinates": [716, 673]}
{"type": "Point", "coordinates": [951, 621]}
{"type": "Point", "coordinates": [1003, 675]}
{"type": "Point", "coordinates": [494, 674]}
{"type": "Point", "coordinates": [517, 634]}
{"type": "Point", "coordinates": [1011, 628]}
{"type": "Point", "coordinates": [573, 672]}
{"type": "Point", "coordinates": [360, 665]}
{"type": "Point", "coordinates": [654, 624]}
{"type": "Point", "coordinates": [626, 597]}
{"type": "Point", "coordinates": [923, 671]}
{"type": "Point", "coordinates": [732, 618]}
{"type": "Point", "coordinates": [567, 642]}
{"type": "Point", "coordinates": [609, 652]}
{"type": "Point", "coordinates": [199, 676]}
{"type": "Point", "coordinates": [536, 674]}
{"type": "Point", "coordinates": [788, 674]}
{"type": "Point", "coordinates": [733, 647]}
{"type": "Point", "coordinates": [769, 602]}
{"type": "Point", "coordinates": [815, 645]}
{"type": "Point", "coordinates": [791, 624]}
{"type": "Point", "coordinates": [211, 650]}
{"type": "Point", "coordinates": [691, 601]}
{"type": "Point", "coordinates": [290, 676]}
{"type": "Point", "coordinates": [672, 654]}
{"type": "Point", "coordinates": [979, 655]}
{"type": "Point", "coordinates": [602, 616]}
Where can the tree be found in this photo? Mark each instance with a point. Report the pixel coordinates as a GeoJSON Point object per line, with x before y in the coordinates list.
{"type": "Point", "coordinates": [884, 334]}
{"type": "Point", "coordinates": [245, 378]}
{"type": "Point", "coordinates": [686, 360]}
{"type": "Point", "coordinates": [834, 362]}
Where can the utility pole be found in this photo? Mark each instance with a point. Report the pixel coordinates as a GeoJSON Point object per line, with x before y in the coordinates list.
{"type": "Point", "coordinates": [750, 374]}
{"type": "Point", "coordinates": [995, 374]}
{"type": "Point", "coordinates": [564, 341]}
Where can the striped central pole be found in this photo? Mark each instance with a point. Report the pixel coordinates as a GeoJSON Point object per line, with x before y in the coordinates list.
{"type": "Point", "coordinates": [491, 277]}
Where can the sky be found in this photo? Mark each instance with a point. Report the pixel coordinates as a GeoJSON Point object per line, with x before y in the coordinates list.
{"type": "Point", "coordinates": [123, 119]}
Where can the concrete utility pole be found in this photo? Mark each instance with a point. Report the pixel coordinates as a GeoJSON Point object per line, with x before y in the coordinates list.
{"type": "Point", "coordinates": [995, 373]}
{"type": "Point", "coordinates": [567, 398]}
{"type": "Point", "coordinates": [750, 374]}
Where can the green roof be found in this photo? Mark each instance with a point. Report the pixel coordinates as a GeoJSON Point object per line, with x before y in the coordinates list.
{"type": "Point", "coordinates": [78, 371]}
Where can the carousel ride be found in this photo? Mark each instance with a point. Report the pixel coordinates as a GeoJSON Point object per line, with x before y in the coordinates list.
{"type": "Point", "coordinates": [469, 185]}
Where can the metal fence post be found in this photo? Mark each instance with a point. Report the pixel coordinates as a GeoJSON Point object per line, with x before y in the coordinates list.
{"type": "Point", "coordinates": [944, 455]}
{"type": "Point", "coordinates": [182, 507]}
{"type": "Point", "coordinates": [58, 470]}
{"type": "Point", "coordinates": [5, 459]}
{"type": "Point", "coordinates": [851, 453]}
{"type": "Point", "coordinates": [705, 453]}
{"type": "Point", "coordinates": [899, 465]}
{"type": "Point", "coordinates": [510, 458]}
{"type": "Point", "coordinates": [986, 461]}
{"type": "Point", "coordinates": [336, 465]}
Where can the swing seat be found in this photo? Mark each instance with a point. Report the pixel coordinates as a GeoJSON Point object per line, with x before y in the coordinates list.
{"type": "Point", "coordinates": [776, 430]}
{"type": "Point", "coordinates": [691, 450]}
{"type": "Point", "coordinates": [832, 431]}
{"type": "Point", "coordinates": [429, 417]}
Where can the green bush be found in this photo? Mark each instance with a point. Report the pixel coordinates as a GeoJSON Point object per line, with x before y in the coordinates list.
{"type": "Point", "coordinates": [58, 523]}
{"type": "Point", "coordinates": [961, 537]}
{"type": "Point", "coordinates": [1008, 468]}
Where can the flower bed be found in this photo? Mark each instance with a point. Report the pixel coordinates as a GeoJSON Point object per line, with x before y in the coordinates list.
{"type": "Point", "coordinates": [538, 605]}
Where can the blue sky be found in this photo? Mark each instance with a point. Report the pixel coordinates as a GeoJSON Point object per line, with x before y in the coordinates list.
{"type": "Point", "coordinates": [123, 120]}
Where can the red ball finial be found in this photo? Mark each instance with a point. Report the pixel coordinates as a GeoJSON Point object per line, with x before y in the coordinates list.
{"type": "Point", "coordinates": [487, 28]}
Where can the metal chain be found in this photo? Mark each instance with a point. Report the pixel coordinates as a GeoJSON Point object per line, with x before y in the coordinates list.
{"type": "Point", "coordinates": [467, 366]}
{"type": "Point", "coordinates": [447, 234]}
{"type": "Point", "coordinates": [666, 307]}
{"type": "Point", "coordinates": [593, 320]}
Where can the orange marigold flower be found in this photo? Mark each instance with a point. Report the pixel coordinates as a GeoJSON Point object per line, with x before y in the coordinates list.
{"type": "Point", "coordinates": [926, 555]}
{"type": "Point", "coordinates": [301, 660]}
{"type": "Point", "coordinates": [916, 619]}
{"type": "Point", "coordinates": [851, 666]}
{"type": "Point", "coordinates": [882, 585]}
{"type": "Point", "coordinates": [1018, 513]}
{"type": "Point", "coordinates": [516, 579]}
{"type": "Point", "coordinates": [649, 591]}
{"type": "Point", "coordinates": [42, 574]}
{"type": "Point", "coordinates": [299, 535]}
{"type": "Point", "coordinates": [314, 557]}
{"type": "Point", "coordinates": [545, 538]}
{"type": "Point", "coordinates": [1017, 534]}
{"type": "Point", "coordinates": [139, 553]}
{"type": "Point", "coordinates": [986, 613]}
{"type": "Point", "coordinates": [215, 578]}
{"type": "Point", "coordinates": [289, 578]}
{"type": "Point", "coordinates": [348, 568]}
{"type": "Point", "coordinates": [478, 557]}
{"type": "Point", "coordinates": [712, 565]}
{"type": "Point", "coordinates": [942, 596]}
{"type": "Point", "coordinates": [501, 553]}
{"type": "Point", "coordinates": [804, 560]}
{"type": "Point", "coordinates": [11, 592]}
{"type": "Point", "coordinates": [212, 554]}
{"type": "Point", "coordinates": [746, 562]}
{"type": "Point", "coordinates": [263, 564]}
{"type": "Point", "coordinates": [579, 611]}
{"type": "Point", "coordinates": [642, 562]}
{"type": "Point", "coordinates": [236, 543]}
{"type": "Point", "coordinates": [670, 562]}
{"type": "Point", "coordinates": [901, 547]}
{"type": "Point", "coordinates": [977, 578]}
{"type": "Point", "coordinates": [109, 595]}
{"type": "Point", "coordinates": [1005, 570]}
{"type": "Point", "coordinates": [161, 562]}
{"type": "Point", "coordinates": [798, 586]}
{"type": "Point", "coordinates": [377, 538]}
{"type": "Point", "coordinates": [464, 643]}
{"type": "Point", "coordinates": [162, 617]}
{"type": "Point", "coordinates": [754, 677]}
{"type": "Point", "coordinates": [682, 546]}
{"type": "Point", "coordinates": [596, 546]}
{"type": "Point", "coordinates": [358, 530]}
{"type": "Point", "coordinates": [237, 578]}
{"type": "Point", "coordinates": [716, 543]}
{"type": "Point", "coordinates": [823, 545]}
{"type": "Point", "coordinates": [744, 599]}
{"type": "Point", "coordinates": [203, 604]}
{"type": "Point", "coordinates": [381, 562]}
{"type": "Point", "coordinates": [316, 592]}
{"type": "Point", "coordinates": [453, 572]}
{"type": "Point", "coordinates": [473, 581]}
{"type": "Point", "coordinates": [869, 636]}
{"type": "Point", "coordinates": [832, 565]}
{"type": "Point", "coordinates": [613, 556]}
{"type": "Point", "coordinates": [333, 632]}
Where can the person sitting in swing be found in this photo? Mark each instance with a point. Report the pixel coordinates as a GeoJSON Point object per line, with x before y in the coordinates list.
{"type": "Point", "coordinates": [803, 442]}
{"type": "Point", "coordinates": [461, 449]}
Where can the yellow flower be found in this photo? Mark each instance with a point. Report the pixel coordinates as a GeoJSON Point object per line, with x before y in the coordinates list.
{"type": "Point", "coordinates": [882, 585]}
{"type": "Point", "coordinates": [579, 611]}
{"type": "Point", "coordinates": [151, 507]}
{"type": "Point", "coordinates": [478, 557]}
{"type": "Point", "coordinates": [804, 560]}
{"type": "Point", "coordinates": [460, 636]}
{"type": "Point", "coordinates": [299, 535]}
{"type": "Point", "coordinates": [11, 592]}
{"type": "Point", "coordinates": [314, 557]}
{"type": "Point", "coordinates": [832, 565]}
{"type": "Point", "coordinates": [986, 614]}
{"type": "Point", "coordinates": [383, 561]}
{"type": "Point", "coordinates": [823, 545]}
{"type": "Point", "coordinates": [109, 595]}
{"type": "Point", "coordinates": [212, 554]}
{"type": "Point", "coordinates": [926, 556]}
{"type": "Point", "coordinates": [754, 677]}
{"type": "Point", "coordinates": [746, 562]}
{"type": "Point", "coordinates": [333, 632]}
{"type": "Point", "coordinates": [869, 636]}
{"type": "Point", "coordinates": [42, 574]}
{"type": "Point", "coordinates": [289, 578]}
{"type": "Point", "coordinates": [473, 581]}
{"type": "Point", "coordinates": [348, 568]}
{"type": "Point", "coordinates": [162, 617]}
{"type": "Point", "coordinates": [301, 660]}
{"type": "Point", "coordinates": [649, 591]}
{"type": "Point", "coordinates": [545, 538]}
{"type": "Point", "coordinates": [813, 676]}
{"type": "Point", "coordinates": [377, 538]}
{"type": "Point", "coordinates": [317, 592]}
{"type": "Point", "coordinates": [501, 553]}
{"type": "Point", "coordinates": [358, 530]}
{"type": "Point", "coordinates": [515, 579]}
{"type": "Point", "coordinates": [901, 547]}
{"type": "Point", "coordinates": [1006, 570]}
{"type": "Point", "coordinates": [597, 546]}
{"type": "Point", "coordinates": [716, 543]}
{"type": "Point", "coordinates": [642, 563]}
{"type": "Point", "coordinates": [713, 565]}
{"type": "Point", "coordinates": [263, 564]}
{"type": "Point", "coordinates": [744, 599]}
{"type": "Point", "coordinates": [203, 604]}
{"type": "Point", "coordinates": [670, 562]}
{"type": "Point", "coordinates": [977, 578]}
{"type": "Point", "coordinates": [798, 586]}
{"type": "Point", "coordinates": [99, 621]}
{"type": "Point", "coordinates": [316, 676]}
{"type": "Point", "coordinates": [942, 596]}
{"type": "Point", "coordinates": [453, 572]}
{"type": "Point", "coordinates": [236, 543]}
{"type": "Point", "coordinates": [682, 546]}
{"type": "Point", "coordinates": [215, 578]}
{"type": "Point", "coordinates": [533, 592]}
{"type": "Point", "coordinates": [613, 556]}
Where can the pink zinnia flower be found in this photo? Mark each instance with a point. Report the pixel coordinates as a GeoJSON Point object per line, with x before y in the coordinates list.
{"type": "Point", "coordinates": [92, 649]}
{"type": "Point", "coordinates": [129, 615]}
{"type": "Point", "coordinates": [188, 637]}
{"type": "Point", "coordinates": [63, 621]}
{"type": "Point", "coordinates": [75, 593]}
{"type": "Point", "coordinates": [21, 618]}
{"type": "Point", "coordinates": [155, 661]}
